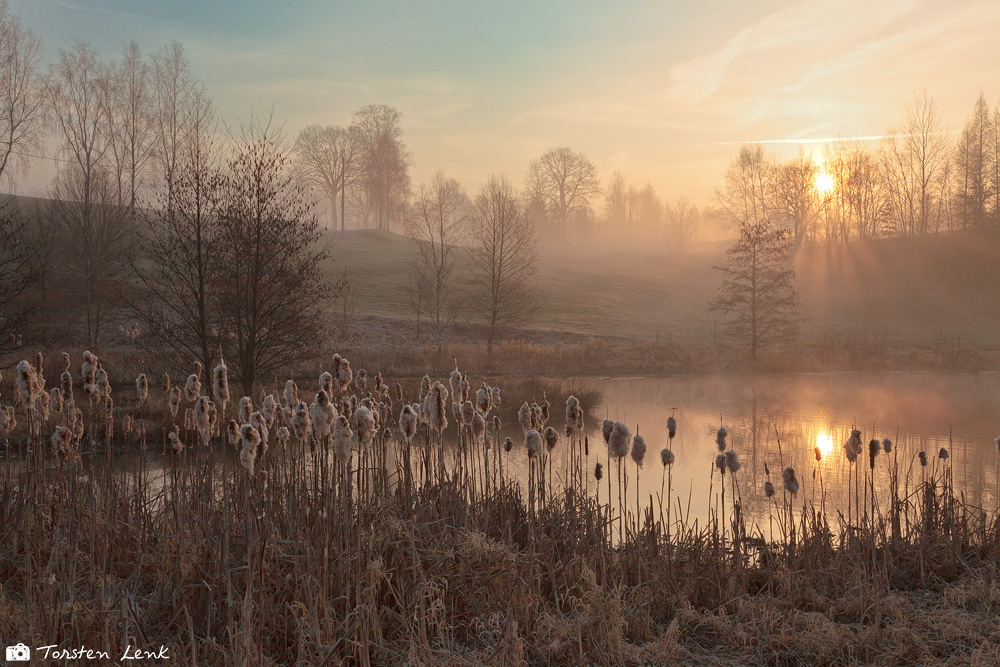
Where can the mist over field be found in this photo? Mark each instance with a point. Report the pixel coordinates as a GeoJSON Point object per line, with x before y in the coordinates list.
{"type": "Point", "coordinates": [499, 333]}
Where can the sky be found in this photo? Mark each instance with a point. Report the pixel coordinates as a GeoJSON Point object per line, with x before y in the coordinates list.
{"type": "Point", "coordinates": [663, 91]}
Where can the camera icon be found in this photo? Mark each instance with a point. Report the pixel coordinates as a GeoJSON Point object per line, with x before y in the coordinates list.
{"type": "Point", "coordinates": [18, 653]}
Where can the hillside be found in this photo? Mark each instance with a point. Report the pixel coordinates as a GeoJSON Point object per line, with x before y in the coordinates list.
{"type": "Point", "coordinates": [910, 289]}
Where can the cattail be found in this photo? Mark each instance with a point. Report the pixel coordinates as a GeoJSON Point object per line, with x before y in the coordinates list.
{"type": "Point", "coordinates": [291, 396]}
{"type": "Point", "coordinates": [425, 388]}
{"type": "Point", "coordinates": [768, 489]}
{"type": "Point", "coordinates": [246, 409]}
{"type": "Point", "coordinates": [524, 417]}
{"type": "Point", "coordinates": [853, 446]}
{"type": "Point", "coordinates": [87, 369]}
{"type": "Point", "coordinates": [671, 427]}
{"type": "Point", "coordinates": [536, 417]}
{"type": "Point", "coordinates": [466, 412]}
{"type": "Point", "coordinates": [435, 403]}
{"type": "Point", "coordinates": [67, 361]}
{"type": "Point", "coordinates": [478, 426]}
{"type": "Point", "coordinates": [56, 400]}
{"type": "Point", "coordinates": [923, 458]}
{"type": "Point", "coordinates": [666, 457]}
{"type": "Point", "coordinates": [66, 386]}
{"type": "Point", "coordinates": [551, 437]}
{"type": "Point", "coordinates": [61, 439]}
{"type": "Point", "coordinates": [887, 445]}
{"type": "Point", "coordinates": [361, 381]}
{"type": "Point", "coordinates": [188, 419]}
{"type": "Point", "coordinates": [791, 482]}
{"type": "Point", "coordinates": [192, 388]}
{"type": "Point", "coordinates": [455, 383]}
{"type": "Point", "coordinates": [733, 461]}
{"type": "Point", "coordinates": [174, 401]}
{"type": "Point", "coordinates": [598, 471]}
{"type": "Point", "coordinates": [249, 441]}
{"type": "Point", "coordinates": [43, 407]}
{"type": "Point", "coordinates": [533, 442]}
{"type": "Point", "coordinates": [301, 423]}
{"type": "Point", "coordinates": [269, 408]}
{"type": "Point", "coordinates": [78, 425]}
{"type": "Point", "coordinates": [720, 463]}
{"type": "Point", "coordinates": [484, 399]}
{"type": "Point", "coordinates": [508, 445]}
{"type": "Point", "coordinates": [142, 387]}
{"type": "Point", "coordinates": [166, 383]}
{"type": "Point", "coordinates": [258, 421]}
{"type": "Point", "coordinates": [103, 385]}
{"type": "Point", "coordinates": [282, 437]}
{"type": "Point", "coordinates": [574, 415]}
{"type": "Point", "coordinates": [399, 392]}
{"type": "Point", "coordinates": [326, 383]}
{"type": "Point", "coordinates": [818, 453]}
{"type": "Point", "coordinates": [943, 454]}
{"type": "Point", "coordinates": [365, 425]}
{"type": "Point", "coordinates": [544, 412]}
{"type": "Point", "coordinates": [203, 418]}
{"type": "Point", "coordinates": [27, 384]}
{"type": "Point", "coordinates": [606, 427]}
{"type": "Point", "coordinates": [408, 422]}
{"type": "Point", "coordinates": [495, 391]}
{"type": "Point", "coordinates": [720, 438]}
{"type": "Point", "coordinates": [465, 386]}
{"type": "Point", "coordinates": [323, 415]}
{"type": "Point", "coordinates": [874, 447]}
{"type": "Point", "coordinates": [487, 439]}
{"type": "Point", "coordinates": [233, 432]}
{"type": "Point", "coordinates": [638, 450]}
{"type": "Point", "coordinates": [342, 372]}
{"type": "Point", "coordinates": [175, 440]}
{"type": "Point", "coordinates": [342, 439]}
{"type": "Point", "coordinates": [619, 441]}
{"type": "Point", "coordinates": [497, 424]}
{"type": "Point", "coordinates": [220, 382]}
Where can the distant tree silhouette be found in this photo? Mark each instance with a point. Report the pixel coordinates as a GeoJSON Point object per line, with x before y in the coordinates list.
{"type": "Point", "coordinates": [758, 292]}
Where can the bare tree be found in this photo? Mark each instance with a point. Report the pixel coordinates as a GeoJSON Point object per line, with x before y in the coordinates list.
{"type": "Point", "coordinates": [914, 158]}
{"type": "Point", "coordinates": [616, 201]}
{"type": "Point", "coordinates": [565, 181]}
{"type": "Point", "coordinates": [386, 161]}
{"type": "Point", "coordinates": [795, 198]}
{"type": "Point", "coordinates": [173, 88]}
{"type": "Point", "coordinates": [130, 117]}
{"type": "Point", "coordinates": [436, 223]}
{"type": "Point", "coordinates": [329, 158]}
{"type": "Point", "coordinates": [77, 93]}
{"type": "Point", "coordinates": [19, 273]}
{"type": "Point", "coordinates": [758, 289]}
{"type": "Point", "coordinates": [274, 292]}
{"type": "Point", "coordinates": [863, 189]}
{"type": "Point", "coordinates": [503, 259]}
{"type": "Point", "coordinates": [22, 94]}
{"type": "Point", "coordinates": [95, 240]}
{"type": "Point", "coordinates": [973, 157]}
{"type": "Point", "coordinates": [746, 197]}
{"type": "Point", "coordinates": [683, 223]}
{"type": "Point", "coordinates": [176, 272]}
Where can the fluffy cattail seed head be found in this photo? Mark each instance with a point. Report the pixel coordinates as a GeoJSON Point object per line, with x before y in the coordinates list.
{"type": "Point", "coordinates": [666, 457]}
{"type": "Point", "coordinates": [819, 453]}
{"type": "Point", "coordinates": [790, 480]}
{"type": "Point", "coordinates": [887, 445]}
{"type": "Point", "coordinates": [720, 463]}
{"type": "Point", "coordinates": [619, 441]}
{"type": "Point", "coordinates": [671, 426]}
{"type": "Point", "coordinates": [508, 445]}
{"type": "Point", "coordinates": [943, 454]}
{"type": "Point", "coordinates": [533, 442]}
{"type": "Point", "coordinates": [606, 427]}
{"type": "Point", "coordinates": [142, 387]}
{"type": "Point", "coordinates": [768, 489]}
{"type": "Point", "coordinates": [923, 458]}
{"type": "Point", "coordinates": [220, 382]}
{"type": "Point", "coordinates": [598, 471]}
{"type": "Point", "coordinates": [733, 461]}
{"type": "Point", "coordinates": [638, 450]}
{"type": "Point", "coordinates": [874, 447]}
{"type": "Point", "coordinates": [551, 437]}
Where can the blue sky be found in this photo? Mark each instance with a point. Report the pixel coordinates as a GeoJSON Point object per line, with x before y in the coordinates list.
{"type": "Point", "coordinates": [663, 91]}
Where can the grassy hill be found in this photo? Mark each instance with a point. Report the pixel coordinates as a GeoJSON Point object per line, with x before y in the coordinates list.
{"type": "Point", "coordinates": [908, 289]}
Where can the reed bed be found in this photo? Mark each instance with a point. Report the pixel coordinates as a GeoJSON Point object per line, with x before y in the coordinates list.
{"type": "Point", "coordinates": [348, 520]}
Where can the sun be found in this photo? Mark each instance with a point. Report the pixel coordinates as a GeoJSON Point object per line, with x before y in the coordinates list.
{"type": "Point", "coordinates": [825, 442]}
{"type": "Point", "coordinates": [824, 183]}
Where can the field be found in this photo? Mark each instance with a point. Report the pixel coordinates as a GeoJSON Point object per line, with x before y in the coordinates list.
{"type": "Point", "coordinates": [399, 537]}
{"type": "Point", "coordinates": [934, 290]}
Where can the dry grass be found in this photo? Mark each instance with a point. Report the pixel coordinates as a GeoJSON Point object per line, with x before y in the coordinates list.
{"type": "Point", "coordinates": [430, 555]}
